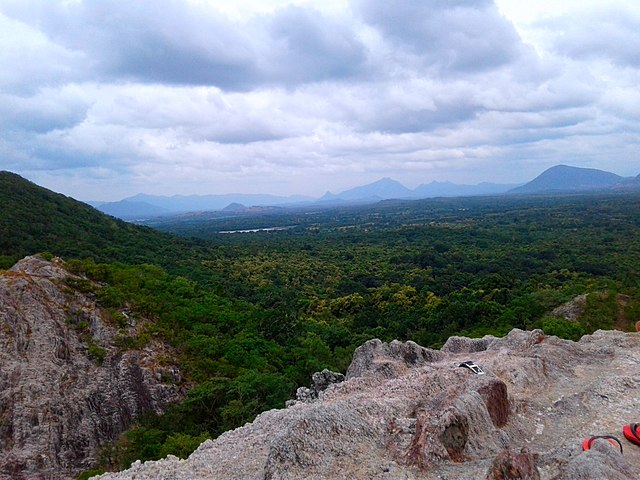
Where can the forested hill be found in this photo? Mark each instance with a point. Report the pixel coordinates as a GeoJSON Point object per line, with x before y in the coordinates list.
{"type": "Point", "coordinates": [564, 178]}
{"type": "Point", "coordinates": [34, 219]}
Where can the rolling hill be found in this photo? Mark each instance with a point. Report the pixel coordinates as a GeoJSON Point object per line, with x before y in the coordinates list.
{"type": "Point", "coordinates": [566, 179]}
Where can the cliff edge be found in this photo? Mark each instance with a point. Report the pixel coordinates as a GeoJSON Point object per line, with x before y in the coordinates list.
{"type": "Point", "coordinates": [65, 388]}
{"type": "Point", "coordinates": [407, 412]}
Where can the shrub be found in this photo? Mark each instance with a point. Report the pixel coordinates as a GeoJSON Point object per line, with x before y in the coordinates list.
{"type": "Point", "coordinates": [90, 473]}
{"type": "Point", "coordinates": [181, 445]}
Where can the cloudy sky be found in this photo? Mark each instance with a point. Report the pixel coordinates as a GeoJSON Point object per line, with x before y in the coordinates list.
{"type": "Point", "coordinates": [102, 99]}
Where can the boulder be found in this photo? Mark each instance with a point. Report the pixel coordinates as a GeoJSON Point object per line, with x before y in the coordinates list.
{"type": "Point", "coordinates": [320, 381]}
{"type": "Point", "coordinates": [572, 309]}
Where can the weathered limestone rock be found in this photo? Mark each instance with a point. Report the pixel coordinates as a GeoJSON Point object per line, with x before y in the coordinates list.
{"type": "Point", "coordinates": [602, 461]}
{"type": "Point", "coordinates": [457, 344]}
{"type": "Point", "coordinates": [403, 412]}
{"type": "Point", "coordinates": [509, 465]}
{"type": "Point", "coordinates": [406, 412]}
{"type": "Point", "coordinates": [389, 360]}
{"type": "Point", "coordinates": [320, 381]}
{"type": "Point", "coordinates": [65, 389]}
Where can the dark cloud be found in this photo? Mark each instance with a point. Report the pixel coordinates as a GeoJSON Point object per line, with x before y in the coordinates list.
{"type": "Point", "coordinates": [77, 149]}
{"type": "Point", "coordinates": [24, 151]}
{"type": "Point", "coordinates": [532, 128]}
{"type": "Point", "coordinates": [43, 112]}
{"type": "Point", "coordinates": [247, 134]}
{"type": "Point", "coordinates": [452, 36]}
{"type": "Point", "coordinates": [177, 42]}
{"type": "Point", "coordinates": [173, 42]}
{"type": "Point", "coordinates": [308, 48]}
{"type": "Point", "coordinates": [398, 119]}
{"type": "Point", "coordinates": [29, 60]}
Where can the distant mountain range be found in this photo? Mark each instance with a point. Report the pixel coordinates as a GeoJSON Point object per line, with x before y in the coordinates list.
{"type": "Point", "coordinates": [144, 206]}
{"type": "Point", "coordinates": [131, 209]}
{"type": "Point", "coordinates": [558, 179]}
{"type": "Point", "coordinates": [387, 188]}
{"type": "Point", "coordinates": [383, 189]}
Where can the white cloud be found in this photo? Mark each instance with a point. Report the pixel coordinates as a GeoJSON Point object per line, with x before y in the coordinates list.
{"type": "Point", "coordinates": [610, 34]}
{"type": "Point", "coordinates": [450, 37]}
{"type": "Point", "coordinates": [185, 43]}
{"type": "Point", "coordinates": [302, 96]}
{"type": "Point", "coordinates": [30, 59]}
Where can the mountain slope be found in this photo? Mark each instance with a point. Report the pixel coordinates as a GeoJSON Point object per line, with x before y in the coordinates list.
{"type": "Point", "coordinates": [193, 203]}
{"type": "Point", "coordinates": [629, 184]}
{"type": "Point", "coordinates": [385, 188]}
{"type": "Point", "coordinates": [34, 219]}
{"type": "Point", "coordinates": [563, 178]}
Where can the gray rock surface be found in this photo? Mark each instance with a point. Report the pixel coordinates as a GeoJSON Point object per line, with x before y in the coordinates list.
{"type": "Point", "coordinates": [320, 381]}
{"type": "Point", "coordinates": [389, 360]}
{"type": "Point", "coordinates": [410, 413]}
{"type": "Point", "coordinates": [572, 309]}
{"type": "Point", "coordinates": [58, 401]}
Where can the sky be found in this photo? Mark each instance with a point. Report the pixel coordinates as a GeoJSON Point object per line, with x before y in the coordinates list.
{"type": "Point", "coordinates": [104, 99]}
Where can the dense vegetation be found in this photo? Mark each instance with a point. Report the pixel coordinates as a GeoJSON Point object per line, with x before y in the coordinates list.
{"type": "Point", "coordinates": [252, 315]}
{"type": "Point", "coordinates": [34, 219]}
{"type": "Point", "coordinates": [429, 269]}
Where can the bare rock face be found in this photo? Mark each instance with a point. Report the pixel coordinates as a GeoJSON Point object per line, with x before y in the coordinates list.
{"type": "Point", "coordinates": [389, 360]}
{"type": "Point", "coordinates": [65, 389]}
{"type": "Point", "coordinates": [405, 412]}
{"type": "Point", "coordinates": [320, 381]}
{"type": "Point", "coordinates": [572, 309]}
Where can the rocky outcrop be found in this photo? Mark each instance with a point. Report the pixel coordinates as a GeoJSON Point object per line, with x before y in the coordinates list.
{"type": "Point", "coordinates": [389, 360]}
{"type": "Point", "coordinates": [572, 309]}
{"type": "Point", "coordinates": [406, 412]}
{"type": "Point", "coordinates": [65, 389]}
{"type": "Point", "coordinates": [320, 381]}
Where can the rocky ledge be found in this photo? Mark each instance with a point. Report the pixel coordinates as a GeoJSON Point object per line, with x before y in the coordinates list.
{"type": "Point", "coordinates": [65, 388]}
{"type": "Point", "coordinates": [407, 412]}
